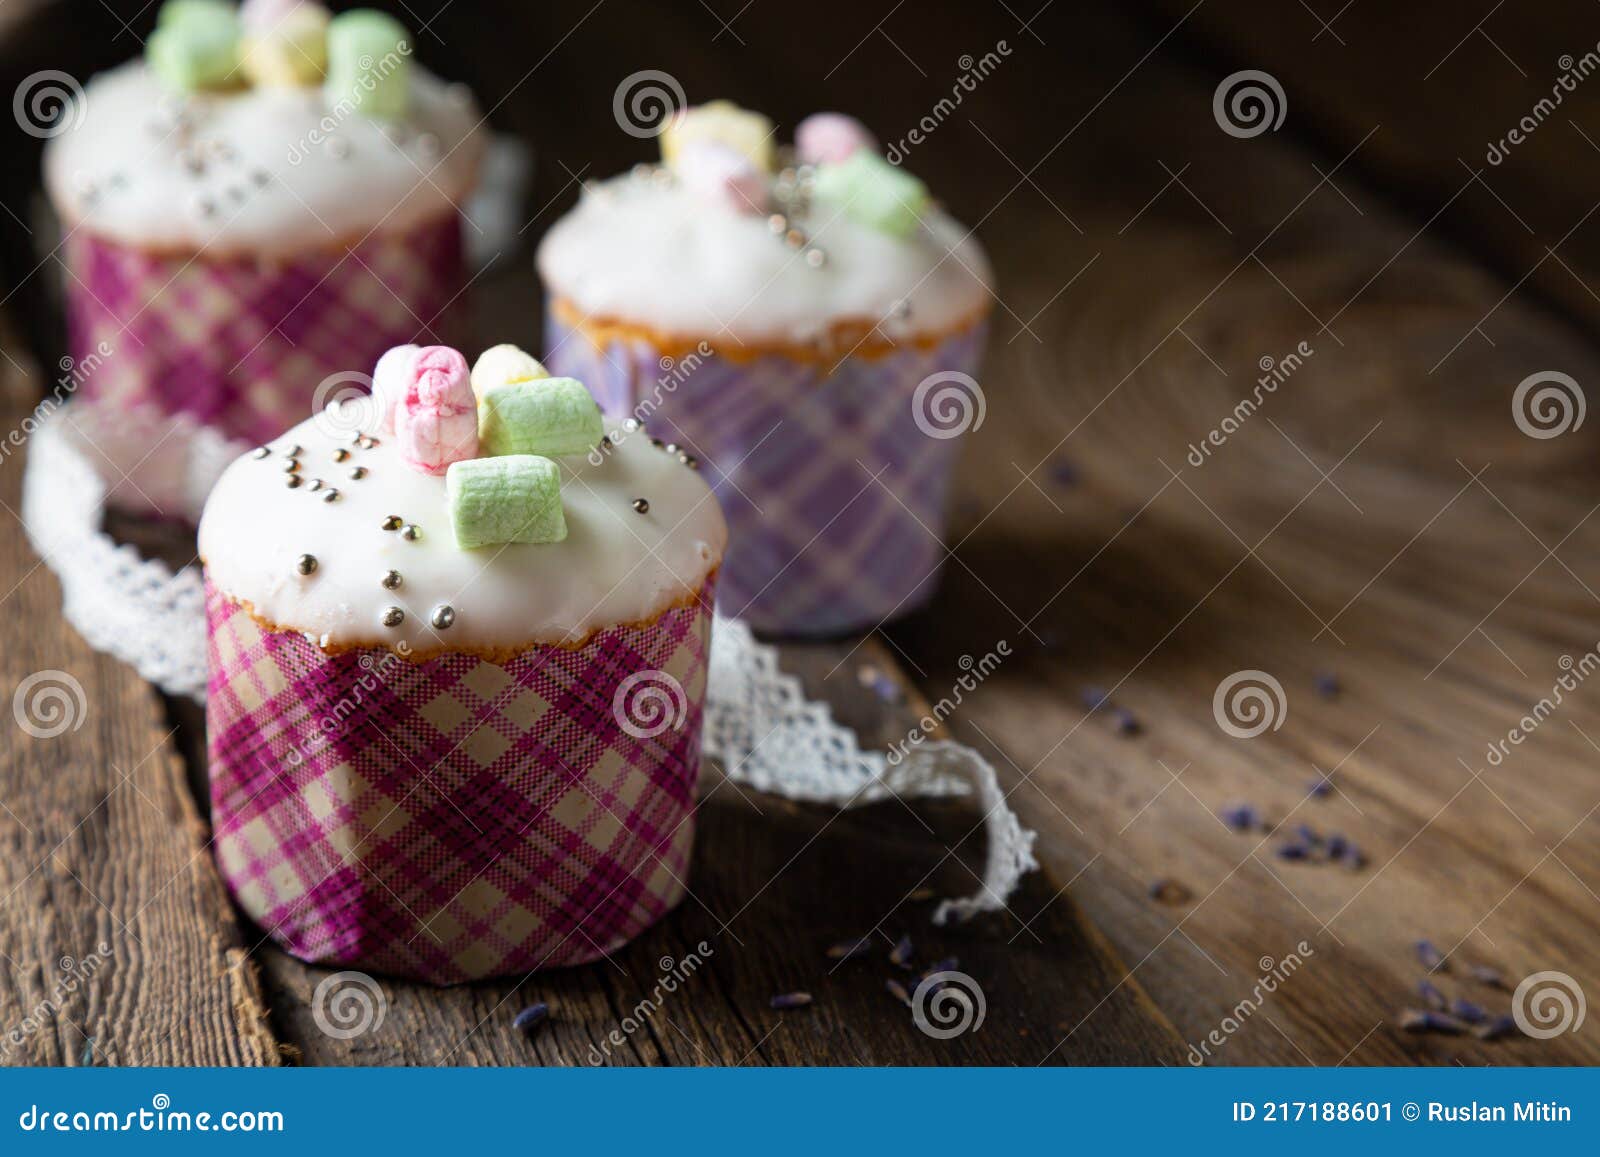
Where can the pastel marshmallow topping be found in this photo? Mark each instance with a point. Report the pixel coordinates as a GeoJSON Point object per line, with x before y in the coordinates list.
{"type": "Point", "coordinates": [195, 45]}
{"type": "Point", "coordinates": [391, 377]}
{"type": "Point", "coordinates": [285, 46]}
{"type": "Point", "coordinates": [826, 138]}
{"type": "Point", "coordinates": [723, 176]}
{"type": "Point", "coordinates": [614, 566]}
{"type": "Point", "coordinates": [546, 416]}
{"type": "Point", "coordinates": [516, 498]}
{"type": "Point", "coordinates": [502, 365]}
{"type": "Point", "coordinates": [874, 192]}
{"type": "Point", "coordinates": [725, 123]}
{"type": "Point", "coordinates": [369, 64]}
{"type": "Point", "coordinates": [436, 420]}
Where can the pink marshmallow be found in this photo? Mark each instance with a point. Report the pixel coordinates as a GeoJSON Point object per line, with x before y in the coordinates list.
{"type": "Point", "coordinates": [826, 138]}
{"type": "Point", "coordinates": [436, 421]}
{"type": "Point", "coordinates": [391, 377]}
{"type": "Point", "coordinates": [724, 175]}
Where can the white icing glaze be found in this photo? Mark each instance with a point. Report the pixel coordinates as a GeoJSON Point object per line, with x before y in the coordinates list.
{"type": "Point", "coordinates": [283, 171]}
{"type": "Point", "coordinates": [615, 565]}
{"type": "Point", "coordinates": [652, 253]}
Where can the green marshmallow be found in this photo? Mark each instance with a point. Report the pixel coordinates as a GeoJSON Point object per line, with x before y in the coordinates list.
{"type": "Point", "coordinates": [195, 45]}
{"type": "Point", "coordinates": [516, 498]}
{"type": "Point", "coordinates": [550, 416]}
{"type": "Point", "coordinates": [369, 63]}
{"type": "Point", "coordinates": [871, 190]}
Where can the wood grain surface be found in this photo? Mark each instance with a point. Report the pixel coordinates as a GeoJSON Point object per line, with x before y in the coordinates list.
{"type": "Point", "coordinates": [1376, 533]}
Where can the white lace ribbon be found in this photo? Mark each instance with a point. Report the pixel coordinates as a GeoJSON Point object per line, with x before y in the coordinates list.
{"type": "Point", "coordinates": [758, 723]}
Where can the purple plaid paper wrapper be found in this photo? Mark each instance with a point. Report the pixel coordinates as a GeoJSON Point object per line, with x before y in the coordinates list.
{"type": "Point", "coordinates": [242, 343]}
{"type": "Point", "coordinates": [452, 818]}
{"type": "Point", "coordinates": [834, 493]}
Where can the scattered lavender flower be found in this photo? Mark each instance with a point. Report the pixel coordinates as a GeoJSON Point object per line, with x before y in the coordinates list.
{"type": "Point", "coordinates": [790, 1000]}
{"type": "Point", "coordinates": [898, 991]}
{"type": "Point", "coordinates": [1240, 817]}
{"type": "Point", "coordinates": [1483, 974]}
{"type": "Point", "coordinates": [1126, 722]}
{"type": "Point", "coordinates": [531, 1017]}
{"type": "Point", "coordinates": [1294, 852]}
{"type": "Point", "coordinates": [1337, 846]}
{"type": "Point", "coordinates": [1093, 697]}
{"type": "Point", "coordinates": [1413, 1020]}
{"type": "Point", "coordinates": [1327, 684]}
{"type": "Point", "coordinates": [1495, 1029]}
{"type": "Point", "coordinates": [1432, 996]}
{"type": "Point", "coordinates": [1429, 955]}
{"type": "Point", "coordinates": [1307, 835]}
{"type": "Point", "coordinates": [1465, 1010]}
{"type": "Point", "coordinates": [1353, 858]}
{"type": "Point", "coordinates": [850, 949]}
{"type": "Point", "coordinates": [900, 954]}
{"type": "Point", "coordinates": [1064, 473]}
{"type": "Point", "coordinates": [1320, 788]}
{"type": "Point", "coordinates": [879, 683]}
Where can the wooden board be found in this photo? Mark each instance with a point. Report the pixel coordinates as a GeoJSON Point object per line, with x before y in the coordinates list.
{"type": "Point", "coordinates": [774, 884]}
{"type": "Point", "coordinates": [118, 943]}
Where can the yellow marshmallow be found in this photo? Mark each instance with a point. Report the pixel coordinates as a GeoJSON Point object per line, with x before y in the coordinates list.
{"type": "Point", "coordinates": [291, 54]}
{"type": "Point", "coordinates": [722, 122]}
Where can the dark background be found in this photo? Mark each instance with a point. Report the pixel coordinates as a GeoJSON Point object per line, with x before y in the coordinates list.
{"type": "Point", "coordinates": [1382, 525]}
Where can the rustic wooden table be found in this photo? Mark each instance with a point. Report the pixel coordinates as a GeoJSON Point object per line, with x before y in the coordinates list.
{"type": "Point", "coordinates": [1378, 535]}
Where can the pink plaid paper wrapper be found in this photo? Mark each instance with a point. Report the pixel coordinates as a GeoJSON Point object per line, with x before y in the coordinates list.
{"type": "Point", "coordinates": [242, 343]}
{"type": "Point", "coordinates": [453, 818]}
{"type": "Point", "coordinates": [833, 489]}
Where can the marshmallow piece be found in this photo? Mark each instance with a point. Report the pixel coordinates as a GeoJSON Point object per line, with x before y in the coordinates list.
{"type": "Point", "coordinates": [872, 191]}
{"type": "Point", "coordinates": [436, 422]}
{"type": "Point", "coordinates": [723, 176]}
{"type": "Point", "coordinates": [827, 138]}
{"type": "Point", "coordinates": [390, 379]}
{"type": "Point", "coordinates": [502, 365]}
{"type": "Point", "coordinates": [195, 45]}
{"type": "Point", "coordinates": [515, 498]}
{"type": "Point", "coordinates": [259, 16]}
{"type": "Point", "coordinates": [547, 416]}
{"type": "Point", "coordinates": [287, 47]}
{"type": "Point", "coordinates": [369, 64]}
{"type": "Point", "coordinates": [722, 121]}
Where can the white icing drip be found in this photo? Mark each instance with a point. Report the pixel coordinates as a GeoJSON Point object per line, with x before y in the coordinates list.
{"type": "Point", "coordinates": [126, 173]}
{"type": "Point", "coordinates": [615, 566]}
{"type": "Point", "coordinates": [655, 254]}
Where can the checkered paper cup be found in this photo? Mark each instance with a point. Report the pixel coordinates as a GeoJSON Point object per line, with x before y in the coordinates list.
{"type": "Point", "coordinates": [241, 342]}
{"type": "Point", "coordinates": [452, 818]}
{"type": "Point", "coordinates": [833, 480]}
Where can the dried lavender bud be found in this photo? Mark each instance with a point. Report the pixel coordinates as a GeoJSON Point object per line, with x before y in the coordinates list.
{"type": "Point", "coordinates": [1064, 473]}
{"type": "Point", "coordinates": [1495, 1029]}
{"type": "Point", "coordinates": [1241, 817]}
{"type": "Point", "coordinates": [1432, 996]}
{"type": "Point", "coordinates": [1327, 684]}
{"type": "Point", "coordinates": [1465, 1010]}
{"type": "Point", "coordinates": [1353, 858]}
{"type": "Point", "coordinates": [1294, 852]}
{"type": "Point", "coordinates": [1125, 721]}
{"type": "Point", "coordinates": [1337, 846]}
{"type": "Point", "coordinates": [1413, 1020]}
{"type": "Point", "coordinates": [1429, 955]}
{"type": "Point", "coordinates": [790, 1000]}
{"type": "Point", "coordinates": [1483, 974]}
{"type": "Point", "coordinates": [1307, 835]}
{"type": "Point", "coordinates": [531, 1017]}
{"type": "Point", "coordinates": [898, 991]}
{"type": "Point", "coordinates": [850, 949]}
{"type": "Point", "coordinates": [1093, 697]}
{"type": "Point", "coordinates": [1320, 787]}
{"type": "Point", "coordinates": [900, 954]}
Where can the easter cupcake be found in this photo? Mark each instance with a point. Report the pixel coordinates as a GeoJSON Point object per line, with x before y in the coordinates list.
{"type": "Point", "coordinates": [807, 332]}
{"type": "Point", "coordinates": [268, 196]}
{"type": "Point", "coordinates": [457, 667]}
